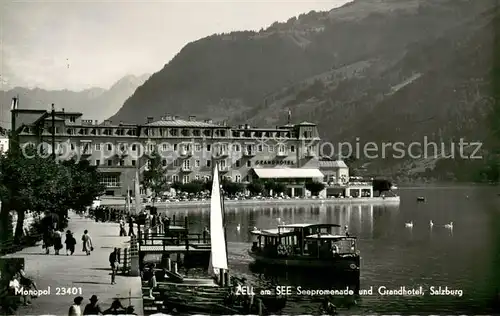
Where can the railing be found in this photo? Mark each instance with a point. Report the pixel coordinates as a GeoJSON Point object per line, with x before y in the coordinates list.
{"type": "Point", "coordinates": [249, 153]}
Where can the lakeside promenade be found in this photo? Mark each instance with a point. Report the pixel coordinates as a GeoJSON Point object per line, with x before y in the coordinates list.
{"type": "Point", "coordinates": [90, 273]}
{"type": "Point", "coordinates": [119, 202]}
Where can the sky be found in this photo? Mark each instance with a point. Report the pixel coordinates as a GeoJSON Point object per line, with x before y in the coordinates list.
{"type": "Point", "coordinates": [76, 45]}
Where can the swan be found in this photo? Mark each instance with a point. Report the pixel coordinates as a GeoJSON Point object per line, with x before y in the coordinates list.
{"type": "Point", "coordinates": [410, 224]}
{"type": "Point", "coordinates": [450, 225]}
{"type": "Point", "coordinates": [255, 228]}
{"type": "Point", "coordinates": [431, 223]}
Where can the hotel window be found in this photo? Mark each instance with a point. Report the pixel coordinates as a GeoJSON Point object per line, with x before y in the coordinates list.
{"type": "Point", "coordinates": [237, 163]}
{"type": "Point", "coordinates": [109, 147]}
{"type": "Point", "coordinates": [270, 148]}
{"type": "Point", "coordinates": [197, 177]}
{"type": "Point", "coordinates": [222, 164]}
{"type": "Point", "coordinates": [185, 132]}
{"type": "Point", "coordinates": [97, 146]}
{"type": "Point", "coordinates": [238, 178]}
{"type": "Point", "coordinates": [247, 179]}
{"type": "Point", "coordinates": [151, 147]}
{"type": "Point", "coordinates": [281, 148]}
{"type": "Point", "coordinates": [110, 163]}
{"type": "Point", "coordinates": [164, 162]}
{"type": "Point", "coordinates": [197, 147]}
{"type": "Point", "coordinates": [133, 162]}
{"type": "Point", "coordinates": [176, 163]}
{"type": "Point", "coordinates": [169, 178]}
{"type": "Point", "coordinates": [175, 178]}
{"type": "Point", "coordinates": [72, 146]}
{"type": "Point", "coordinates": [175, 147]}
{"type": "Point", "coordinates": [134, 147]}
{"type": "Point", "coordinates": [186, 164]}
{"type": "Point", "coordinates": [197, 163]}
{"type": "Point", "coordinates": [164, 147]}
{"type": "Point", "coordinates": [97, 162]}
{"type": "Point", "coordinates": [185, 179]}
{"type": "Point", "coordinates": [72, 119]}
{"type": "Point", "coordinates": [111, 180]}
{"type": "Point", "coordinates": [58, 130]}
{"type": "Point", "coordinates": [122, 162]}
{"type": "Point", "coordinates": [173, 132]}
{"type": "Point", "coordinates": [196, 132]}
{"type": "Point", "coordinates": [209, 147]}
{"type": "Point", "coordinates": [292, 149]}
{"type": "Point", "coordinates": [236, 147]}
{"type": "Point", "coordinates": [249, 163]}
{"type": "Point", "coordinates": [208, 163]}
{"type": "Point", "coordinates": [259, 148]}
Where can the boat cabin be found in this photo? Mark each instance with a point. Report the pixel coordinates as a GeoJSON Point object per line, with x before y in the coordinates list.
{"type": "Point", "coordinates": [316, 240]}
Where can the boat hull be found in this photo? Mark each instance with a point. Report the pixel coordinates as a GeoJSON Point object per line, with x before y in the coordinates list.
{"type": "Point", "coordinates": [340, 263]}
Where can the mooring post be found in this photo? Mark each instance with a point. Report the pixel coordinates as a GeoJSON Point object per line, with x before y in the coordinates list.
{"type": "Point", "coordinates": [169, 264]}
{"type": "Point", "coordinates": [173, 220]}
{"type": "Point", "coordinates": [175, 267]}
{"type": "Point", "coordinates": [221, 277]}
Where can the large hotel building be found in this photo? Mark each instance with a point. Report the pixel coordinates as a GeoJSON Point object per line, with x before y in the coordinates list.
{"type": "Point", "coordinates": [188, 148]}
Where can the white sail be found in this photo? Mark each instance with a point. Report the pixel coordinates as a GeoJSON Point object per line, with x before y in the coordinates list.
{"type": "Point", "coordinates": [137, 192]}
{"type": "Point", "coordinates": [218, 258]}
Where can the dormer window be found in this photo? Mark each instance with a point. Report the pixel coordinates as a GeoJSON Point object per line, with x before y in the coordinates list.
{"type": "Point", "coordinates": [185, 132]}
{"type": "Point", "coordinates": [69, 131]}
{"type": "Point", "coordinates": [207, 132]}
{"type": "Point", "coordinates": [173, 132]}
{"type": "Point", "coordinates": [72, 119]}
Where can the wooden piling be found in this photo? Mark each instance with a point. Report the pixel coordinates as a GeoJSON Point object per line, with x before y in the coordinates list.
{"type": "Point", "coordinates": [175, 267]}
{"type": "Point", "coordinates": [169, 264]}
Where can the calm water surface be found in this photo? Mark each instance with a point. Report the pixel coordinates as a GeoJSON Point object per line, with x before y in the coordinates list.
{"type": "Point", "coordinates": [392, 254]}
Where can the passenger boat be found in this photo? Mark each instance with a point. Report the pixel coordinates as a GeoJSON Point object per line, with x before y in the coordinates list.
{"type": "Point", "coordinates": [313, 246]}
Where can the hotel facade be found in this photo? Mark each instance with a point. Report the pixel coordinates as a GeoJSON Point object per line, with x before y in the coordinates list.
{"type": "Point", "coordinates": [188, 148]}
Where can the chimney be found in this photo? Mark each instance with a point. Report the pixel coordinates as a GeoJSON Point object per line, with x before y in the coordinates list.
{"type": "Point", "coordinates": [247, 126]}
{"type": "Point", "coordinates": [150, 119]}
{"type": "Point", "coordinates": [224, 123]}
{"type": "Point", "coordinates": [209, 121]}
{"type": "Point", "coordinates": [96, 122]}
{"type": "Point", "coordinates": [192, 118]}
{"type": "Point", "coordinates": [107, 122]}
{"type": "Point", "coordinates": [168, 117]}
{"type": "Point", "coordinates": [121, 122]}
{"type": "Point", "coordinates": [177, 117]}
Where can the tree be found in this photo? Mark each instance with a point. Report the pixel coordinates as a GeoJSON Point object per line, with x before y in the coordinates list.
{"type": "Point", "coordinates": [315, 187]}
{"type": "Point", "coordinates": [232, 188]}
{"type": "Point", "coordinates": [154, 177]}
{"type": "Point", "coordinates": [193, 187]}
{"type": "Point", "coordinates": [279, 188]}
{"type": "Point", "coordinates": [256, 187]}
{"type": "Point", "coordinates": [381, 185]}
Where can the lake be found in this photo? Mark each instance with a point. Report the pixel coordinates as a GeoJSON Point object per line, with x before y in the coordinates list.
{"type": "Point", "coordinates": [392, 255]}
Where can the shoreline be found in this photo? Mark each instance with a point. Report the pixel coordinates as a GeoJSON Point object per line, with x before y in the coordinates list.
{"type": "Point", "coordinates": [393, 200]}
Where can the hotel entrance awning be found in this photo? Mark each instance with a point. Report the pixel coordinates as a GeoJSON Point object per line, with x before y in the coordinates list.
{"type": "Point", "coordinates": [287, 173]}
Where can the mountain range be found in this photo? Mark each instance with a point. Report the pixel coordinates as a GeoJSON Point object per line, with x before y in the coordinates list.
{"type": "Point", "coordinates": [94, 103]}
{"type": "Point", "coordinates": [372, 70]}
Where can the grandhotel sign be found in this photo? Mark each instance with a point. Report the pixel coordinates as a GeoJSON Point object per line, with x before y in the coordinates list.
{"type": "Point", "coordinates": [275, 162]}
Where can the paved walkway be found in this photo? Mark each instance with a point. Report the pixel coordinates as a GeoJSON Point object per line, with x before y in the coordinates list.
{"type": "Point", "coordinates": [90, 273]}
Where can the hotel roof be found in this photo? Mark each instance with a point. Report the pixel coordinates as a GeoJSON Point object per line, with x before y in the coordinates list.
{"type": "Point", "coordinates": [287, 173]}
{"type": "Point", "coordinates": [332, 164]}
{"type": "Point", "coordinates": [183, 123]}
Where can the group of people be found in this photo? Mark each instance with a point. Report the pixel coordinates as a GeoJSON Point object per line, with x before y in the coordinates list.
{"type": "Point", "coordinates": [54, 238]}
{"type": "Point", "coordinates": [93, 308]}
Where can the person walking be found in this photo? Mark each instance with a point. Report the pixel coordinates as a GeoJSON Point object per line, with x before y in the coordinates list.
{"type": "Point", "coordinates": [93, 307]}
{"type": "Point", "coordinates": [58, 240]}
{"type": "Point", "coordinates": [114, 262]}
{"type": "Point", "coordinates": [75, 309]}
{"type": "Point", "coordinates": [87, 243]}
{"type": "Point", "coordinates": [70, 243]}
{"type": "Point", "coordinates": [131, 226]}
{"type": "Point", "coordinates": [123, 232]}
